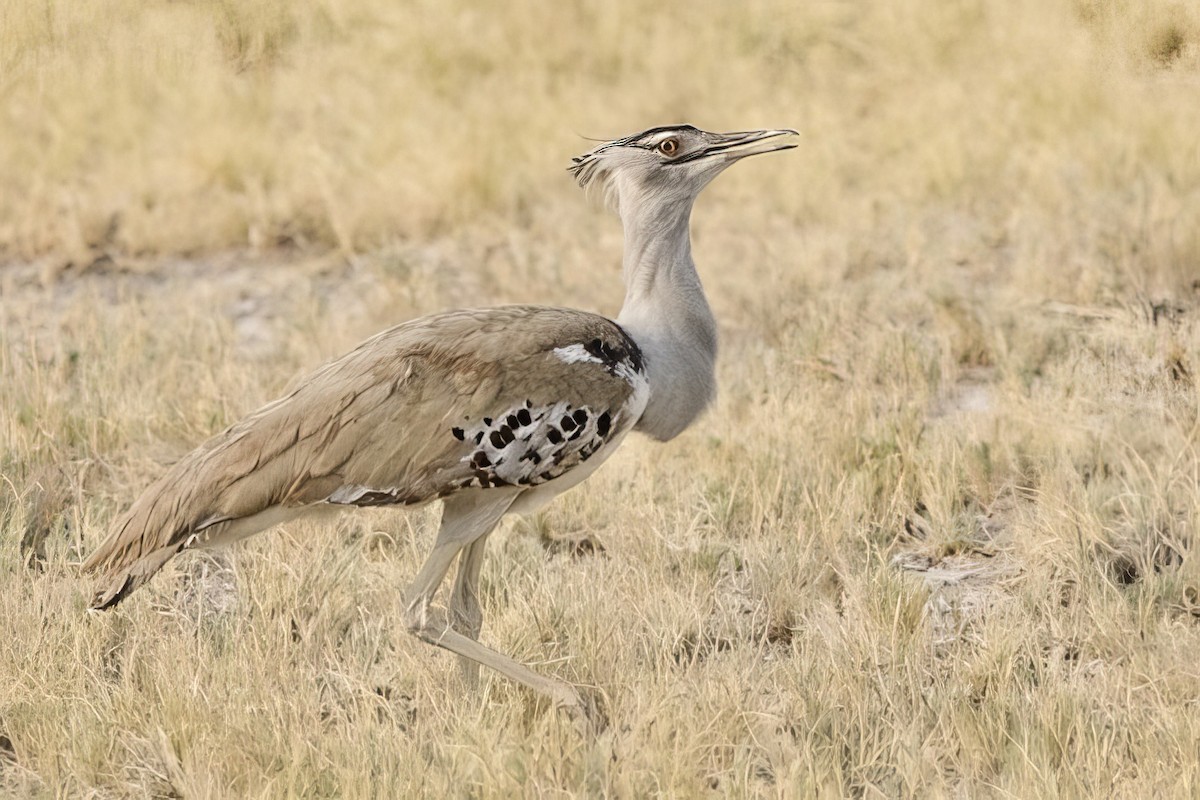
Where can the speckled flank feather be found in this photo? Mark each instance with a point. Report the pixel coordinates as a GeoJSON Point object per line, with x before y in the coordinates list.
{"type": "Point", "coordinates": [454, 401]}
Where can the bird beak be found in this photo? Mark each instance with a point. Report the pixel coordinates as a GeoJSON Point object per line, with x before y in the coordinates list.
{"type": "Point", "coordinates": [730, 147]}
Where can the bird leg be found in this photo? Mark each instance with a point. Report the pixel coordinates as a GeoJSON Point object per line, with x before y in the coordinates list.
{"type": "Point", "coordinates": [465, 521]}
{"type": "Point", "coordinates": [466, 614]}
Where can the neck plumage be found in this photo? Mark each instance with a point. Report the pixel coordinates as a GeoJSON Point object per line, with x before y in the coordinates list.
{"type": "Point", "coordinates": [667, 314]}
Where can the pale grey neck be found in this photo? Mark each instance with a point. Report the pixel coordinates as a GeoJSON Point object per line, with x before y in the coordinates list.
{"type": "Point", "coordinates": [667, 314]}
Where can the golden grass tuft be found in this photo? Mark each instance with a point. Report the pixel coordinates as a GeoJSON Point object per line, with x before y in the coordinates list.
{"type": "Point", "coordinates": [935, 539]}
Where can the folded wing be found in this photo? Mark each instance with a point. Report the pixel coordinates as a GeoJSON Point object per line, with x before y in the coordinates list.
{"type": "Point", "coordinates": [515, 396]}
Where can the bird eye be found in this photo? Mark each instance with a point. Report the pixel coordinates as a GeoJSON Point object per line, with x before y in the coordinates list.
{"type": "Point", "coordinates": [668, 147]}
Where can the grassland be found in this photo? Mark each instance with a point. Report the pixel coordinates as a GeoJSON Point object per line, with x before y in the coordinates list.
{"type": "Point", "coordinates": [935, 539]}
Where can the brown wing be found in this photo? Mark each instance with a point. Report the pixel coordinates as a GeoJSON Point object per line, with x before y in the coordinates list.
{"type": "Point", "coordinates": [466, 399]}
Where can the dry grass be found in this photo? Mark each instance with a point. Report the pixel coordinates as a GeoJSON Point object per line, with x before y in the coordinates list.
{"type": "Point", "coordinates": [935, 539]}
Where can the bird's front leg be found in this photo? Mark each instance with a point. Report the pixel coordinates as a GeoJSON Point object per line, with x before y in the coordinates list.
{"type": "Point", "coordinates": [465, 522]}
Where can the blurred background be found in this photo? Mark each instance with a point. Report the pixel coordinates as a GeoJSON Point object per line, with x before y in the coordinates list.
{"type": "Point", "coordinates": [165, 128]}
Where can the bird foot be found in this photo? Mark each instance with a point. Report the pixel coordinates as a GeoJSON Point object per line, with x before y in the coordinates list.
{"type": "Point", "coordinates": [586, 709]}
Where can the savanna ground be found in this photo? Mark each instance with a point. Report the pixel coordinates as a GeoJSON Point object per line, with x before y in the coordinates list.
{"type": "Point", "coordinates": [938, 537]}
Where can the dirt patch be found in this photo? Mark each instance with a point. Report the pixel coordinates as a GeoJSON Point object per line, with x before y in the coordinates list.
{"type": "Point", "coordinates": [969, 578]}
{"type": "Point", "coordinates": [972, 394]}
{"type": "Point", "coordinates": [964, 588]}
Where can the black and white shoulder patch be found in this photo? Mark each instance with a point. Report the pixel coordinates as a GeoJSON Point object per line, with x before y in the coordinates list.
{"type": "Point", "coordinates": [623, 360]}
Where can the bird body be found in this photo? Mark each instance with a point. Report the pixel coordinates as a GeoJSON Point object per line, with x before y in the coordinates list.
{"type": "Point", "coordinates": [464, 400]}
{"type": "Point", "coordinates": [493, 410]}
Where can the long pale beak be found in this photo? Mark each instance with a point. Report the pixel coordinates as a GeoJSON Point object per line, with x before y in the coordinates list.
{"type": "Point", "coordinates": [730, 147]}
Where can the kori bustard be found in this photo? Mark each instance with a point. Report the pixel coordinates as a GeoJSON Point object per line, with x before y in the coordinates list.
{"type": "Point", "coordinates": [494, 411]}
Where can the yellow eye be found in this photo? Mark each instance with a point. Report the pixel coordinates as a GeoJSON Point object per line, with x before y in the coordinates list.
{"type": "Point", "coordinates": [668, 147]}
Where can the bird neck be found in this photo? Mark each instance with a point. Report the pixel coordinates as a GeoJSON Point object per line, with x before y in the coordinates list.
{"type": "Point", "coordinates": [667, 315]}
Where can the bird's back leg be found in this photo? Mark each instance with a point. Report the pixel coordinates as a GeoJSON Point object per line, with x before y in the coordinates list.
{"type": "Point", "coordinates": [465, 520]}
{"type": "Point", "coordinates": [466, 613]}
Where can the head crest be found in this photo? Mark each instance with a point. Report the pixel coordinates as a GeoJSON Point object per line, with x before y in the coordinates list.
{"type": "Point", "coordinates": [594, 176]}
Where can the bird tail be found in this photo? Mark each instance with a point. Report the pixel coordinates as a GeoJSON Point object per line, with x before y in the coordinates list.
{"type": "Point", "coordinates": [117, 584]}
{"type": "Point", "coordinates": [145, 537]}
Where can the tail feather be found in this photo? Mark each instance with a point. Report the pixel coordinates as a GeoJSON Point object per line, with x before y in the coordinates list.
{"type": "Point", "coordinates": [117, 584]}
{"type": "Point", "coordinates": [145, 537]}
{"type": "Point", "coordinates": [187, 507]}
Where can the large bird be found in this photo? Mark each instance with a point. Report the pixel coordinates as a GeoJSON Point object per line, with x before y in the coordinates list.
{"type": "Point", "coordinates": [494, 411]}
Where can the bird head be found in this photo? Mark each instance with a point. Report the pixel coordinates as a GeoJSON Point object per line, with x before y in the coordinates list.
{"type": "Point", "coordinates": [670, 164]}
